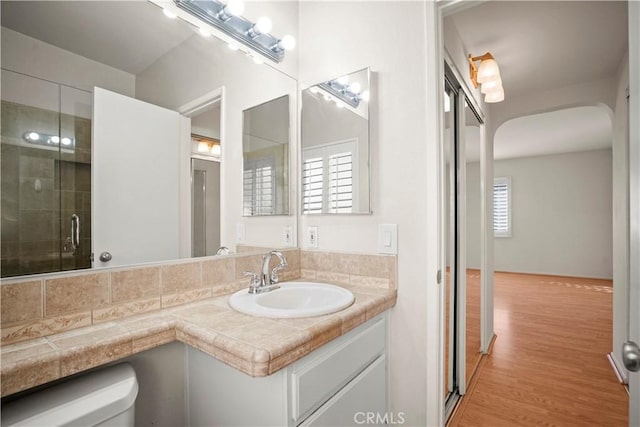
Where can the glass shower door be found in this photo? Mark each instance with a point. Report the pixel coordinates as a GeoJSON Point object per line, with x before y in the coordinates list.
{"type": "Point", "coordinates": [46, 178]}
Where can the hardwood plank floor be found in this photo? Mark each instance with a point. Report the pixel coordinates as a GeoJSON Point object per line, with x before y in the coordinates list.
{"type": "Point", "coordinates": [549, 362]}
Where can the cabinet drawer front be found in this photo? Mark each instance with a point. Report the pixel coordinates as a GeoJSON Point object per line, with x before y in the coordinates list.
{"type": "Point", "coordinates": [316, 380]}
{"type": "Point", "coordinates": [362, 401]}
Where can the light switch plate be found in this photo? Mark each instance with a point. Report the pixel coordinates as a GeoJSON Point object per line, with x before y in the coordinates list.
{"type": "Point", "coordinates": [240, 232]}
{"type": "Point", "coordinates": [312, 237]}
{"type": "Point", "coordinates": [287, 235]}
{"type": "Point", "coordinates": [388, 239]}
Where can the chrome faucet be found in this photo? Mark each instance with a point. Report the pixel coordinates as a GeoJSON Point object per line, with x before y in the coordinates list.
{"type": "Point", "coordinates": [268, 280]}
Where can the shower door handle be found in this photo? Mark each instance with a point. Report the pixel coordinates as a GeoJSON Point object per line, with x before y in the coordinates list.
{"type": "Point", "coordinates": [75, 232]}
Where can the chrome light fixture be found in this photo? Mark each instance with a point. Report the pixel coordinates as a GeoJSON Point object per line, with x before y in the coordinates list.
{"type": "Point", "coordinates": [226, 17]}
{"type": "Point", "coordinates": [487, 75]}
{"type": "Point", "coordinates": [341, 89]}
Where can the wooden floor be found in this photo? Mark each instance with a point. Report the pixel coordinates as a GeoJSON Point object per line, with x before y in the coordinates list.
{"type": "Point", "coordinates": [548, 366]}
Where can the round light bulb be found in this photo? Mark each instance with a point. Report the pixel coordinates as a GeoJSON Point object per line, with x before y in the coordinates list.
{"type": "Point", "coordinates": [355, 87]}
{"type": "Point", "coordinates": [204, 32]}
{"type": "Point", "coordinates": [365, 96]}
{"type": "Point", "coordinates": [263, 24]}
{"type": "Point", "coordinates": [55, 139]}
{"type": "Point", "coordinates": [288, 42]}
{"type": "Point", "coordinates": [215, 150]}
{"type": "Point", "coordinates": [234, 7]}
{"type": "Point", "coordinates": [232, 46]}
{"type": "Point", "coordinates": [66, 141]}
{"type": "Point", "coordinates": [169, 14]}
{"type": "Point", "coordinates": [343, 80]}
{"type": "Point", "coordinates": [34, 136]}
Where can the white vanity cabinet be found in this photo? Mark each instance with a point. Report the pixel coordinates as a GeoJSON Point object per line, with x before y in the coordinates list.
{"type": "Point", "coordinates": [336, 385]}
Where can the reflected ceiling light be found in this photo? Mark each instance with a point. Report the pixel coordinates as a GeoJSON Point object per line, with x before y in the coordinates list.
{"type": "Point", "coordinates": [226, 17]}
{"type": "Point", "coordinates": [488, 75]}
{"type": "Point", "coordinates": [340, 89]}
{"type": "Point", "coordinates": [206, 145]}
{"type": "Point", "coordinates": [232, 46]}
{"type": "Point", "coordinates": [39, 138]}
{"type": "Point", "coordinates": [204, 32]}
{"type": "Point", "coordinates": [258, 60]}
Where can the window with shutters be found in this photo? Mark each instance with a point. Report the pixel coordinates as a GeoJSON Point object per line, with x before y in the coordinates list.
{"type": "Point", "coordinates": [259, 187]}
{"type": "Point", "coordinates": [502, 207]}
{"type": "Point", "coordinates": [329, 178]}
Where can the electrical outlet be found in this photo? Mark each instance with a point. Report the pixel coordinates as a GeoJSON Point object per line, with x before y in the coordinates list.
{"type": "Point", "coordinates": [287, 235]}
{"type": "Point", "coordinates": [312, 237]}
{"type": "Point", "coordinates": [240, 232]}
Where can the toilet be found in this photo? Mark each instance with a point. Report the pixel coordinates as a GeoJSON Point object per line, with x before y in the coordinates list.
{"type": "Point", "coordinates": [102, 398]}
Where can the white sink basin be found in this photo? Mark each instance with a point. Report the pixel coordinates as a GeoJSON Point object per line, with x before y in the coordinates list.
{"type": "Point", "coordinates": [293, 299]}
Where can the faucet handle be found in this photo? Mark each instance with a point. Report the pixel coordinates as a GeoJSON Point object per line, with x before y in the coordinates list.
{"type": "Point", "coordinates": [255, 280]}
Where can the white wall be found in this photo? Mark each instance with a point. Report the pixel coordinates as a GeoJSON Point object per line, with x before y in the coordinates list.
{"type": "Point", "coordinates": [33, 57]}
{"type": "Point", "coordinates": [620, 153]}
{"type": "Point", "coordinates": [399, 163]}
{"type": "Point", "coordinates": [561, 215]}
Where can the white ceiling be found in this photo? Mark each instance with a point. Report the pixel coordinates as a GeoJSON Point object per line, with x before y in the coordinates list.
{"type": "Point", "coordinates": [128, 35]}
{"type": "Point", "coordinates": [563, 131]}
{"type": "Point", "coordinates": [542, 45]}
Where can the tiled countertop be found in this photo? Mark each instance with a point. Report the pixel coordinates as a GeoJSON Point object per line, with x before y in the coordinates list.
{"type": "Point", "coordinates": [255, 346]}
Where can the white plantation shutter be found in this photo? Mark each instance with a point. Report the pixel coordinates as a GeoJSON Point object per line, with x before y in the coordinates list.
{"type": "Point", "coordinates": [259, 187]}
{"type": "Point", "coordinates": [341, 182]}
{"type": "Point", "coordinates": [329, 178]}
{"type": "Point", "coordinates": [502, 207]}
{"type": "Point", "coordinates": [312, 185]}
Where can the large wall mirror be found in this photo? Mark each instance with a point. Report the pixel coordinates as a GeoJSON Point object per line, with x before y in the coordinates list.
{"type": "Point", "coordinates": [335, 146]}
{"type": "Point", "coordinates": [265, 158]}
{"type": "Point", "coordinates": [159, 99]}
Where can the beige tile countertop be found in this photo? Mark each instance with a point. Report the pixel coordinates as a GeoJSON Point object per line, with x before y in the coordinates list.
{"type": "Point", "coordinates": [255, 346]}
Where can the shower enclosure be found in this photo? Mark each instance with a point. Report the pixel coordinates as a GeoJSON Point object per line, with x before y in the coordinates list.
{"type": "Point", "coordinates": [46, 176]}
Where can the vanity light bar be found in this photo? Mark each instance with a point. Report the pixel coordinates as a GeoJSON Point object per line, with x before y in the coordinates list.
{"type": "Point", "coordinates": [342, 92]}
{"type": "Point", "coordinates": [237, 27]}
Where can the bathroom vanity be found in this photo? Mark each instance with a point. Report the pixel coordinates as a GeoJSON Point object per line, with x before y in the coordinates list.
{"type": "Point", "coordinates": [327, 387]}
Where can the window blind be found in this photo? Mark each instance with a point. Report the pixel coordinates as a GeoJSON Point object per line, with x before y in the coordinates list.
{"type": "Point", "coordinates": [502, 207]}
{"type": "Point", "coordinates": [259, 188]}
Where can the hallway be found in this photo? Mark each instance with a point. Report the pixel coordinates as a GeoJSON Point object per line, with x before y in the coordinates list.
{"type": "Point", "coordinates": [548, 366]}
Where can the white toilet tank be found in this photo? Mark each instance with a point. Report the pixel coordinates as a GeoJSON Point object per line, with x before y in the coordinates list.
{"type": "Point", "coordinates": [102, 398]}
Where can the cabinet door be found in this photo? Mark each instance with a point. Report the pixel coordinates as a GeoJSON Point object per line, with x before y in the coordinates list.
{"type": "Point", "coordinates": [362, 401]}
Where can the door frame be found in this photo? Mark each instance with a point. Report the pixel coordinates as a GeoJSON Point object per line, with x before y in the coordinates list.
{"type": "Point", "coordinates": [188, 110]}
{"type": "Point", "coordinates": [634, 201]}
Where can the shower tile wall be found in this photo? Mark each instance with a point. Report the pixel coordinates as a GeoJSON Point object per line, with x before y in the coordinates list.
{"type": "Point", "coordinates": [41, 189]}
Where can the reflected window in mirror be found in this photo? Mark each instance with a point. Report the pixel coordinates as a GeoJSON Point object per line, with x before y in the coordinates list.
{"type": "Point", "coordinates": [335, 146]}
{"type": "Point", "coordinates": [265, 146]}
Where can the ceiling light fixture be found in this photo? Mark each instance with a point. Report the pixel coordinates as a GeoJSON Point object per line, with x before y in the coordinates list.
{"type": "Point", "coordinates": [226, 17]}
{"type": "Point", "coordinates": [487, 75]}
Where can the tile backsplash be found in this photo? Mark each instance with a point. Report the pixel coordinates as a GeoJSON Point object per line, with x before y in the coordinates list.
{"type": "Point", "coordinates": [43, 305]}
